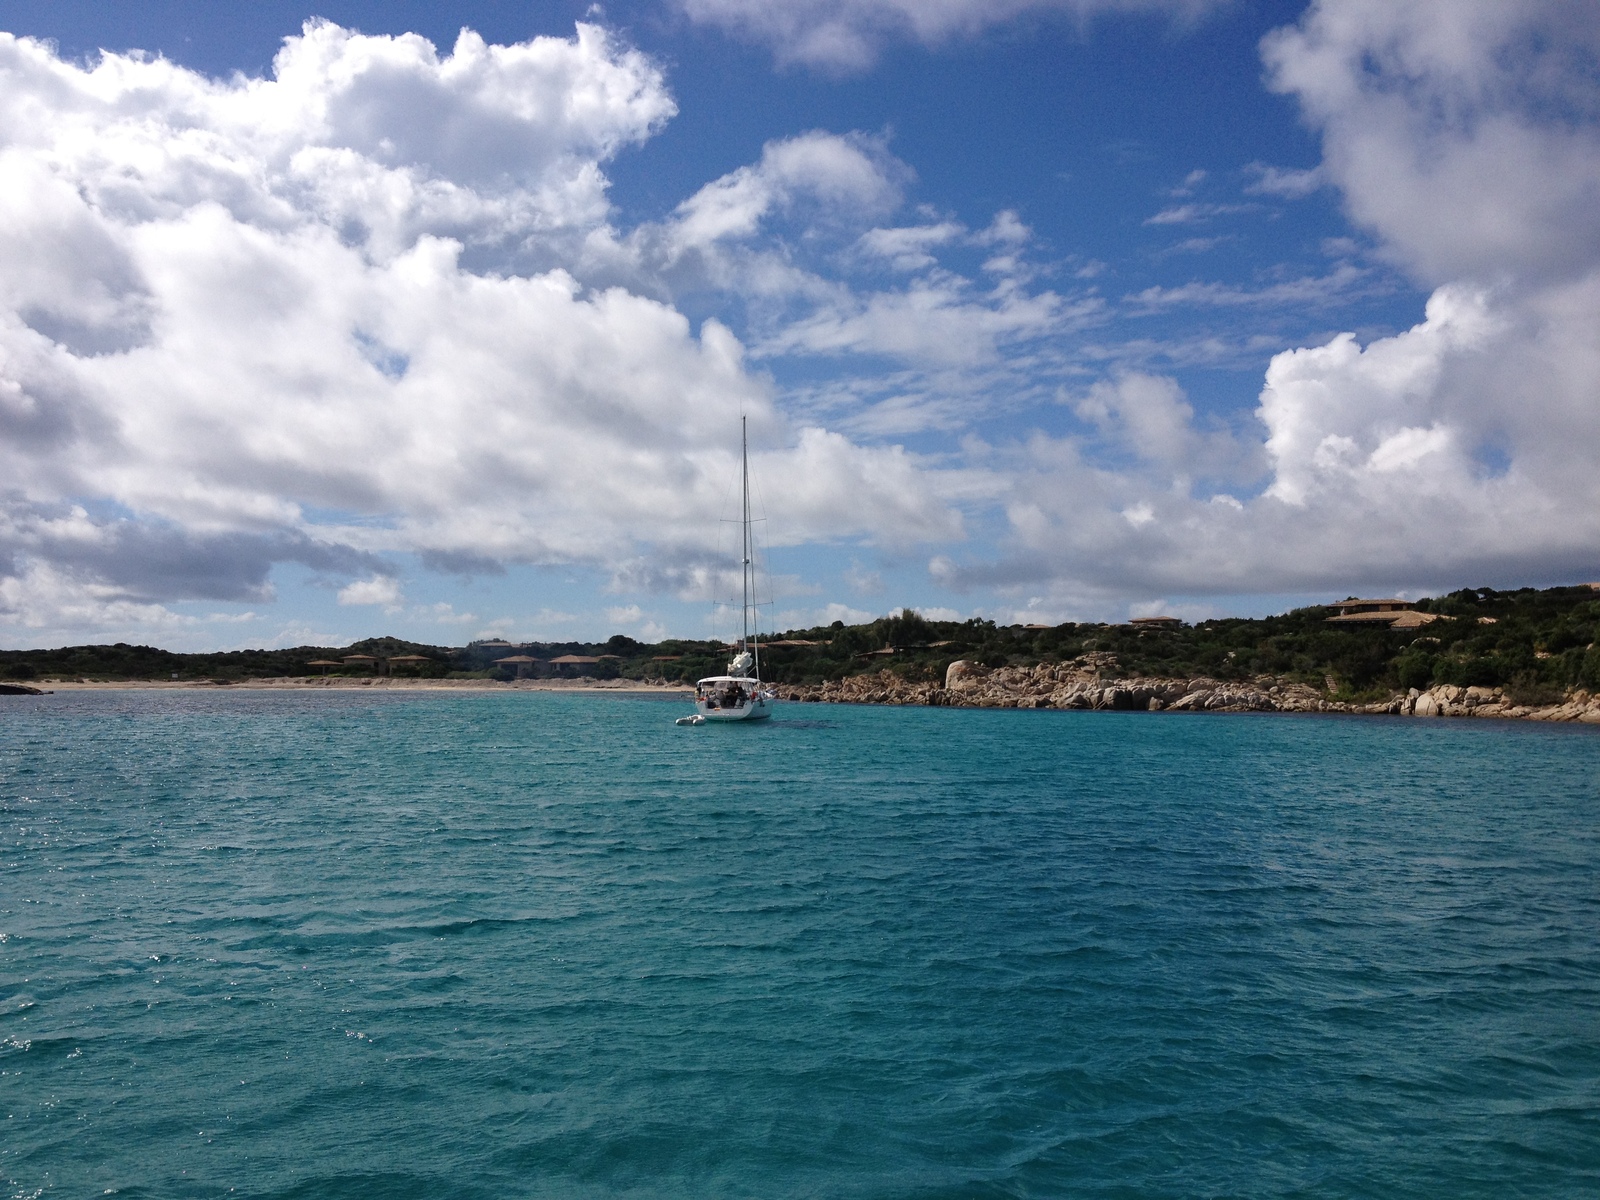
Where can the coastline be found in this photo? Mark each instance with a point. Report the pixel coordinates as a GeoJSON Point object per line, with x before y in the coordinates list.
{"type": "Point", "coordinates": [344, 683]}
{"type": "Point", "coordinates": [1079, 685]}
{"type": "Point", "coordinates": [1087, 684]}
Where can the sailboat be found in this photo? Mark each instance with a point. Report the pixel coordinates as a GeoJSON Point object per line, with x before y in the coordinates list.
{"type": "Point", "coordinates": [739, 695]}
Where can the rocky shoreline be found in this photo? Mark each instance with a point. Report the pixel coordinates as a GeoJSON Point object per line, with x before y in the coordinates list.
{"type": "Point", "coordinates": [1091, 682]}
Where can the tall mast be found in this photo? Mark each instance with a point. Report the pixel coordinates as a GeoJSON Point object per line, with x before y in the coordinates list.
{"type": "Point", "coordinates": [748, 542]}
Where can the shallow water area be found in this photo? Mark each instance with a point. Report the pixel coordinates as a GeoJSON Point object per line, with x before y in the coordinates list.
{"type": "Point", "coordinates": [422, 944]}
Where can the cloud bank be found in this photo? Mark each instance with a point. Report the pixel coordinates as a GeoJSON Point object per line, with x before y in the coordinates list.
{"type": "Point", "coordinates": [1466, 139]}
{"type": "Point", "coordinates": [376, 304]}
{"type": "Point", "coordinates": [294, 318]}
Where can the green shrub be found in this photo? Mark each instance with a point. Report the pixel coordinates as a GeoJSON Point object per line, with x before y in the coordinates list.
{"type": "Point", "coordinates": [1530, 689]}
{"type": "Point", "coordinates": [1589, 669]}
{"type": "Point", "coordinates": [1414, 670]}
{"type": "Point", "coordinates": [1474, 671]}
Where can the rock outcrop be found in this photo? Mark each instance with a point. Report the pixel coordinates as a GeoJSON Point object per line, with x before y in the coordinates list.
{"type": "Point", "coordinates": [1091, 682]}
{"type": "Point", "coordinates": [1449, 701]}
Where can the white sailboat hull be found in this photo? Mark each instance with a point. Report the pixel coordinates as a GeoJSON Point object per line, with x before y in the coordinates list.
{"type": "Point", "coordinates": [758, 711]}
{"type": "Point", "coordinates": [732, 698]}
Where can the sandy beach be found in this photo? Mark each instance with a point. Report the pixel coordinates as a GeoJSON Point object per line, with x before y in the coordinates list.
{"type": "Point", "coordinates": [371, 683]}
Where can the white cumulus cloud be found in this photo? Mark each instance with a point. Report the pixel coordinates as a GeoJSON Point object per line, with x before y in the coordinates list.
{"type": "Point", "coordinates": [375, 304]}
{"type": "Point", "coordinates": [328, 314]}
{"type": "Point", "coordinates": [378, 590]}
{"type": "Point", "coordinates": [1465, 134]}
{"type": "Point", "coordinates": [1466, 139]}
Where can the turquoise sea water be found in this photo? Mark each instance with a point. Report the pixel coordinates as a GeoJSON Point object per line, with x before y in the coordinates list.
{"type": "Point", "coordinates": [427, 945]}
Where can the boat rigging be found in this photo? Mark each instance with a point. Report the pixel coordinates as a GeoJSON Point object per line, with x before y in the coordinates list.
{"type": "Point", "coordinates": [739, 695]}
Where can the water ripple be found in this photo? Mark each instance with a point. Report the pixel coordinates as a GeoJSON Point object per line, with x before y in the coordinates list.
{"type": "Point", "coordinates": [543, 944]}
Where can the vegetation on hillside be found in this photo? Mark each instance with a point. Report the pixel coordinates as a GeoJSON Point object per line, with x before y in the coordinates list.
{"type": "Point", "coordinates": [1537, 643]}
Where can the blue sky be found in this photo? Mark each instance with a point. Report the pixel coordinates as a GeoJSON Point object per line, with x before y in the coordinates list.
{"type": "Point", "coordinates": [1040, 309]}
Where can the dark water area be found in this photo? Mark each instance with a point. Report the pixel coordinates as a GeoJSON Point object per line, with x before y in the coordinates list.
{"type": "Point", "coordinates": [419, 945]}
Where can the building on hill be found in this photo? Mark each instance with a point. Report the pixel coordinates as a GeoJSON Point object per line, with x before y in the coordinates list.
{"type": "Point", "coordinates": [1352, 605]}
{"type": "Point", "coordinates": [573, 664]}
{"type": "Point", "coordinates": [1391, 613]}
{"type": "Point", "coordinates": [1157, 622]}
